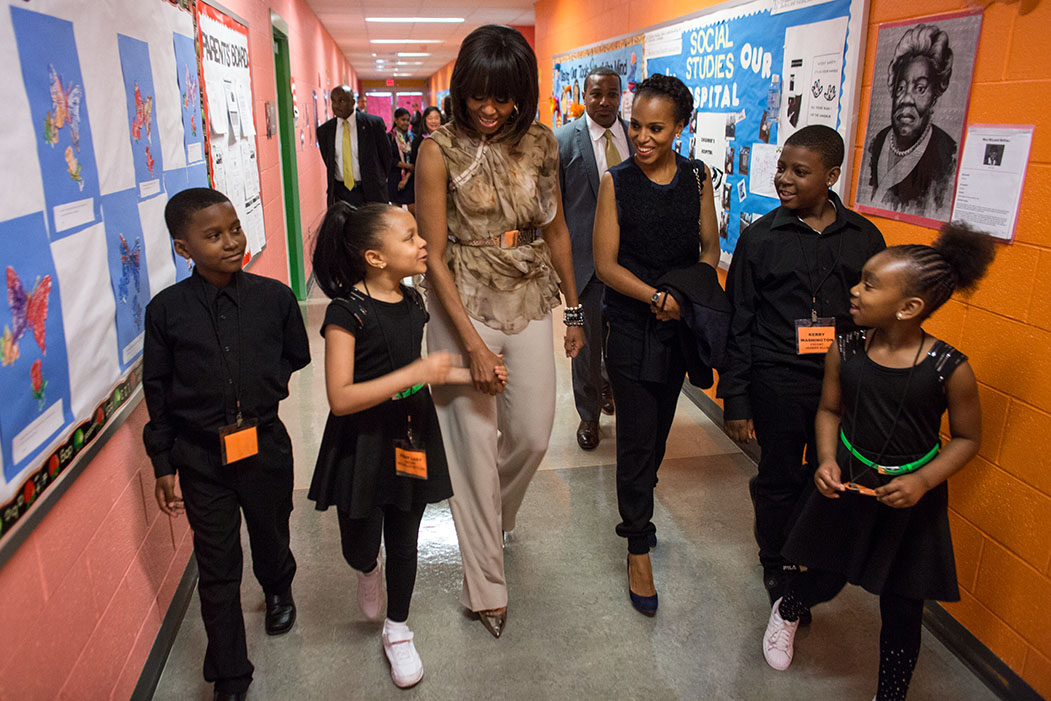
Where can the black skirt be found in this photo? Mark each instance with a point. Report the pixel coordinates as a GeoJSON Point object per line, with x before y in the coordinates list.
{"type": "Point", "coordinates": [355, 465]}
{"type": "Point", "coordinates": [907, 552]}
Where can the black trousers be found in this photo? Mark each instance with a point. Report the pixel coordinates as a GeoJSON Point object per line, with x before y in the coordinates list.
{"type": "Point", "coordinates": [644, 417]}
{"type": "Point", "coordinates": [215, 496]}
{"type": "Point", "coordinates": [901, 621]}
{"type": "Point", "coordinates": [783, 411]}
{"type": "Point", "coordinates": [588, 374]}
{"type": "Point", "coordinates": [361, 547]}
{"type": "Point", "coordinates": [355, 197]}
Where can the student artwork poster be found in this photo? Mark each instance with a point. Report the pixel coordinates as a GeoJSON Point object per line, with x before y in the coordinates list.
{"type": "Point", "coordinates": [570, 70]}
{"type": "Point", "coordinates": [757, 75]}
{"type": "Point", "coordinates": [34, 373]}
{"type": "Point", "coordinates": [55, 87]}
{"type": "Point", "coordinates": [190, 97]}
{"type": "Point", "coordinates": [142, 118]}
{"type": "Point", "coordinates": [128, 271]}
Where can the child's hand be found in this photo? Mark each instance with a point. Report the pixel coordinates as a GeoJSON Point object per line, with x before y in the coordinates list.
{"type": "Point", "coordinates": [827, 478]}
{"type": "Point", "coordinates": [167, 499]}
{"type": "Point", "coordinates": [902, 492]}
{"type": "Point", "coordinates": [501, 371]}
{"type": "Point", "coordinates": [434, 369]}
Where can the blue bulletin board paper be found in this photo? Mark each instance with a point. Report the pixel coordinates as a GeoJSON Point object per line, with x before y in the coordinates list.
{"type": "Point", "coordinates": [142, 115]}
{"type": "Point", "coordinates": [190, 97]}
{"type": "Point", "coordinates": [127, 270]}
{"type": "Point", "coordinates": [47, 52]}
{"type": "Point", "coordinates": [34, 372]}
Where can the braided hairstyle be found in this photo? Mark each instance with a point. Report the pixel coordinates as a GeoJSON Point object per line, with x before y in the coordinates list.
{"type": "Point", "coordinates": [957, 260]}
{"type": "Point", "coordinates": [345, 234]}
{"type": "Point", "coordinates": [669, 87]}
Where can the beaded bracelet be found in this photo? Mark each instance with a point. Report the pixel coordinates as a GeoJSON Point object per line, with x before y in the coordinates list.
{"type": "Point", "coordinates": [573, 316]}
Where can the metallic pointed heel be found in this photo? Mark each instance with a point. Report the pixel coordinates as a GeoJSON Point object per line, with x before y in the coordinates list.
{"type": "Point", "coordinates": [493, 622]}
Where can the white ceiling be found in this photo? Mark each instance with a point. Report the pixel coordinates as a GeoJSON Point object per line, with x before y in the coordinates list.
{"type": "Point", "coordinates": [345, 21]}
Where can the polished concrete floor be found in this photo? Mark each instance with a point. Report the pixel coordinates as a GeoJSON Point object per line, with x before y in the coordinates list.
{"type": "Point", "coordinates": [571, 632]}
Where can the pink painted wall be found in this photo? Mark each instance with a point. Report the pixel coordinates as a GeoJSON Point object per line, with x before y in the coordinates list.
{"type": "Point", "coordinates": [84, 596]}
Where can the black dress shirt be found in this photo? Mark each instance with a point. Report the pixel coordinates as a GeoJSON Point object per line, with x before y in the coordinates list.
{"type": "Point", "coordinates": [779, 264]}
{"type": "Point", "coordinates": [206, 347]}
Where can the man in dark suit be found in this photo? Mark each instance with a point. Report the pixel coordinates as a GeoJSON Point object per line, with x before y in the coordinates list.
{"type": "Point", "coordinates": [588, 147]}
{"type": "Point", "coordinates": [356, 151]}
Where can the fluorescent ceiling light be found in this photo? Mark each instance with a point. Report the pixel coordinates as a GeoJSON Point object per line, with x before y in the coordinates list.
{"type": "Point", "coordinates": [433, 20]}
{"type": "Point", "coordinates": [405, 41]}
{"type": "Point", "coordinates": [410, 53]}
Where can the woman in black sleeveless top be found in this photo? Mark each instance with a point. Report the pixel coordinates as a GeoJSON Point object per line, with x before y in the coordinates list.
{"type": "Point", "coordinates": [655, 213]}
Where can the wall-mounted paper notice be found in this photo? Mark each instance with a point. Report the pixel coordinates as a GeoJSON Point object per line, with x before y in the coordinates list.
{"type": "Point", "coordinates": [763, 167]}
{"type": "Point", "coordinates": [992, 171]}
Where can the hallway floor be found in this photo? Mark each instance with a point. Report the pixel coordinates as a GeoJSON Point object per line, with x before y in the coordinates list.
{"type": "Point", "coordinates": [571, 632]}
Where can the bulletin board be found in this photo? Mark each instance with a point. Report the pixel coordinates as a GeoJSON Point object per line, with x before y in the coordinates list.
{"type": "Point", "coordinates": [567, 85]}
{"type": "Point", "coordinates": [229, 114]}
{"type": "Point", "coordinates": [102, 124]}
{"type": "Point", "coordinates": [759, 70]}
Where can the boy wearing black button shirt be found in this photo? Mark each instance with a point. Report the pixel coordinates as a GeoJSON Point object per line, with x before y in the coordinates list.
{"type": "Point", "coordinates": [789, 284]}
{"type": "Point", "coordinates": [219, 349]}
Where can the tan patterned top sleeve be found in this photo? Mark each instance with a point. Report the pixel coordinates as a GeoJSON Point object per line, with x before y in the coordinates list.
{"type": "Point", "coordinates": [496, 187]}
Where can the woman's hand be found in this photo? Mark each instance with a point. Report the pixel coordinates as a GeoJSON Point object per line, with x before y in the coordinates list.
{"type": "Point", "coordinates": [740, 430]}
{"type": "Point", "coordinates": [667, 309]}
{"type": "Point", "coordinates": [903, 491]}
{"type": "Point", "coordinates": [573, 341]}
{"type": "Point", "coordinates": [483, 371]}
{"type": "Point", "coordinates": [828, 477]}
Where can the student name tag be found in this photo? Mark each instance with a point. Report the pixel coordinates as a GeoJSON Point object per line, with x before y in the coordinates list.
{"type": "Point", "coordinates": [815, 335]}
{"type": "Point", "coordinates": [860, 489]}
{"type": "Point", "coordinates": [410, 460]}
{"type": "Point", "coordinates": [238, 441]}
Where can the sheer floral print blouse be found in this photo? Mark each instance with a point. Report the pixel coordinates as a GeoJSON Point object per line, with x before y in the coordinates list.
{"type": "Point", "coordinates": [494, 187]}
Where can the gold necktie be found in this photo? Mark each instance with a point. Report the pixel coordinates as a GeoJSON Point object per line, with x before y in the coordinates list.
{"type": "Point", "coordinates": [348, 157]}
{"type": "Point", "coordinates": [612, 155]}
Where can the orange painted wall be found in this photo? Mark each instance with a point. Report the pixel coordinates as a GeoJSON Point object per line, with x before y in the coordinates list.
{"type": "Point", "coordinates": [1001, 503]}
{"type": "Point", "coordinates": [85, 594]}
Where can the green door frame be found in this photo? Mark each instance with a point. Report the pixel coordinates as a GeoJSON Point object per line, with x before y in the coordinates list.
{"type": "Point", "coordinates": [286, 130]}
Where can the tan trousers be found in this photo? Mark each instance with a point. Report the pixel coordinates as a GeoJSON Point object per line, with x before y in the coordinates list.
{"type": "Point", "coordinates": [493, 445]}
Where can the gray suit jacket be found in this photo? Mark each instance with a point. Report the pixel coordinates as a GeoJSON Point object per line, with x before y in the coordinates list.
{"type": "Point", "coordinates": [578, 177]}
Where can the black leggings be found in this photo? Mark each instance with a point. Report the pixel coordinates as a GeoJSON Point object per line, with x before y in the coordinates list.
{"type": "Point", "coordinates": [899, 635]}
{"type": "Point", "coordinates": [361, 547]}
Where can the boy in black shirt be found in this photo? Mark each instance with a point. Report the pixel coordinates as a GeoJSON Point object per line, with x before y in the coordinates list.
{"type": "Point", "coordinates": [789, 284]}
{"type": "Point", "coordinates": [219, 349]}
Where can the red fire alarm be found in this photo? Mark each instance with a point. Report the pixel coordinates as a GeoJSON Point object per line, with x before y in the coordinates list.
{"type": "Point", "coordinates": [390, 82]}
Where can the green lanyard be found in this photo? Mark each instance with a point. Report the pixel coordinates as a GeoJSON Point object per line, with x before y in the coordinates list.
{"type": "Point", "coordinates": [885, 469]}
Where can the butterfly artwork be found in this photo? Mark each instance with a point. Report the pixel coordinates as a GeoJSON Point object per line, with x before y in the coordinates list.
{"type": "Point", "coordinates": [73, 167]}
{"type": "Point", "coordinates": [143, 112]}
{"type": "Point", "coordinates": [36, 377]}
{"type": "Point", "coordinates": [149, 160]}
{"type": "Point", "coordinates": [190, 96]}
{"type": "Point", "coordinates": [65, 109]}
{"type": "Point", "coordinates": [130, 263]}
{"type": "Point", "coordinates": [28, 311]}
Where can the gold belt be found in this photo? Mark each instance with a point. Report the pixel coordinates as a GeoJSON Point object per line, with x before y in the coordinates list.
{"type": "Point", "coordinates": [508, 239]}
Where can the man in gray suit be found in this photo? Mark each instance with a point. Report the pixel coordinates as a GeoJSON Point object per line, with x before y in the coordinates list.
{"type": "Point", "coordinates": [587, 147]}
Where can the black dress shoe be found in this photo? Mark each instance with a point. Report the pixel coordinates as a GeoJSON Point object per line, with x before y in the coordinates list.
{"type": "Point", "coordinates": [588, 435]}
{"type": "Point", "coordinates": [280, 613]}
{"type": "Point", "coordinates": [608, 407]}
{"type": "Point", "coordinates": [224, 696]}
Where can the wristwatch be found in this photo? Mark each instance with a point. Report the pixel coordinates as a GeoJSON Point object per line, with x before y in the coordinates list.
{"type": "Point", "coordinates": [656, 298]}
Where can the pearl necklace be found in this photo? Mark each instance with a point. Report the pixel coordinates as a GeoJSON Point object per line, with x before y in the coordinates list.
{"type": "Point", "coordinates": [906, 152]}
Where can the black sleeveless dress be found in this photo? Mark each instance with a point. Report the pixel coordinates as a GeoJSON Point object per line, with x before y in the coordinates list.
{"type": "Point", "coordinates": [355, 464]}
{"type": "Point", "coordinates": [907, 552]}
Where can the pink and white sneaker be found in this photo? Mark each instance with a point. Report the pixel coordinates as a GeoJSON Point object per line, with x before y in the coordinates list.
{"type": "Point", "coordinates": [779, 639]}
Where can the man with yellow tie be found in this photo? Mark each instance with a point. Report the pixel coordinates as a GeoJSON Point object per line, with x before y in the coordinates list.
{"type": "Point", "coordinates": [356, 152]}
{"type": "Point", "coordinates": [588, 147]}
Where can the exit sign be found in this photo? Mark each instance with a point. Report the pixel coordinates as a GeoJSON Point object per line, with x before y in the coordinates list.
{"type": "Point", "coordinates": [390, 82]}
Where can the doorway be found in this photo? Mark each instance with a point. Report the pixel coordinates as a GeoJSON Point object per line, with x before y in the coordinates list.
{"type": "Point", "coordinates": [286, 131]}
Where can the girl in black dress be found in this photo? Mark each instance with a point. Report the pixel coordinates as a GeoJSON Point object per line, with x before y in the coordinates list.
{"type": "Point", "coordinates": [878, 518]}
{"type": "Point", "coordinates": [381, 459]}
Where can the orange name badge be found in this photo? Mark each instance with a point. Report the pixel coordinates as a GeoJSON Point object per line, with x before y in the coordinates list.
{"type": "Point", "coordinates": [815, 336]}
{"type": "Point", "coordinates": [238, 442]}
{"type": "Point", "coordinates": [855, 487]}
{"type": "Point", "coordinates": [410, 461]}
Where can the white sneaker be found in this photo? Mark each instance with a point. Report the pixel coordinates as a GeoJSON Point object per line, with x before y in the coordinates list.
{"type": "Point", "coordinates": [778, 642]}
{"type": "Point", "coordinates": [372, 598]}
{"type": "Point", "coordinates": [406, 668]}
